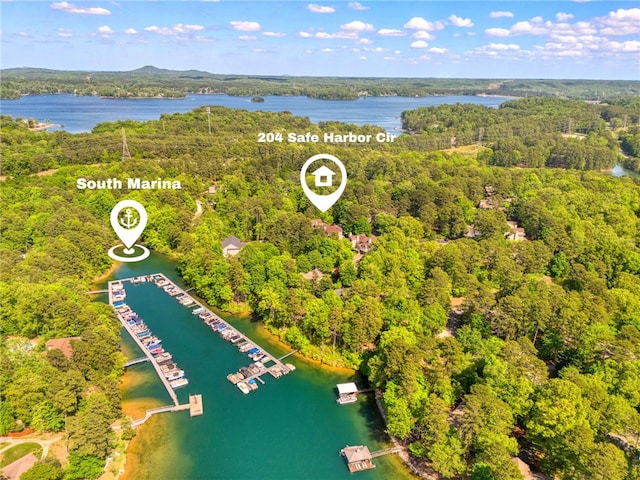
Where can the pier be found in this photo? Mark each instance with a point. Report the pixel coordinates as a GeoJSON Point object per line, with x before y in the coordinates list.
{"type": "Point", "coordinates": [136, 361]}
{"type": "Point", "coordinates": [116, 300]}
{"type": "Point", "coordinates": [247, 376]}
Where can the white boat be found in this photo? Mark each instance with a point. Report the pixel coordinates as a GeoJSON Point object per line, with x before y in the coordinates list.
{"type": "Point", "coordinates": [174, 375]}
{"type": "Point", "coordinates": [244, 388]}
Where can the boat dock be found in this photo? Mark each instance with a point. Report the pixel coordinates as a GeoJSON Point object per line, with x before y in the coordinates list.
{"type": "Point", "coordinates": [263, 362]}
{"type": "Point", "coordinates": [359, 457]}
{"type": "Point", "coordinates": [169, 375]}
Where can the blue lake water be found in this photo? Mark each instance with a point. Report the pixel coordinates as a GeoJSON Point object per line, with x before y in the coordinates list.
{"type": "Point", "coordinates": [81, 114]}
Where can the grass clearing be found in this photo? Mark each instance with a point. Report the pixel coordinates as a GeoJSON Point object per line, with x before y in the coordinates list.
{"type": "Point", "coordinates": [19, 451]}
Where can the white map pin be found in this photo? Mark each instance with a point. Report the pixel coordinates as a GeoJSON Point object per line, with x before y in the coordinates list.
{"type": "Point", "coordinates": [128, 228]}
{"type": "Point", "coordinates": [324, 177]}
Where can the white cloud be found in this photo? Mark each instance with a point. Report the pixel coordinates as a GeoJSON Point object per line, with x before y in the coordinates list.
{"type": "Point", "coordinates": [258, 50]}
{"type": "Point", "coordinates": [65, 32]}
{"type": "Point", "coordinates": [397, 52]}
{"type": "Point", "coordinates": [274, 34]}
{"type": "Point", "coordinates": [564, 17]}
{"type": "Point", "coordinates": [327, 50]}
{"type": "Point", "coordinates": [419, 23]}
{"type": "Point", "coordinates": [529, 28]}
{"type": "Point", "coordinates": [248, 38]}
{"type": "Point", "coordinates": [419, 44]}
{"type": "Point", "coordinates": [460, 22]}
{"type": "Point", "coordinates": [503, 46]}
{"type": "Point", "coordinates": [340, 35]}
{"type": "Point", "coordinates": [422, 35]}
{"type": "Point", "coordinates": [497, 32]}
{"type": "Point", "coordinates": [389, 58]}
{"type": "Point", "coordinates": [105, 30]}
{"type": "Point", "coordinates": [437, 50]}
{"type": "Point", "coordinates": [391, 32]}
{"type": "Point", "coordinates": [175, 30]}
{"type": "Point", "coordinates": [130, 31]}
{"type": "Point", "coordinates": [621, 22]}
{"type": "Point", "coordinates": [628, 46]}
{"type": "Point", "coordinates": [363, 58]}
{"type": "Point", "coordinates": [305, 34]}
{"type": "Point", "coordinates": [71, 8]}
{"type": "Point", "coordinates": [312, 7]}
{"type": "Point", "coordinates": [501, 14]}
{"type": "Point", "coordinates": [245, 26]}
{"type": "Point", "coordinates": [357, 26]}
{"type": "Point", "coordinates": [357, 6]}
{"type": "Point", "coordinates": [364, 41]}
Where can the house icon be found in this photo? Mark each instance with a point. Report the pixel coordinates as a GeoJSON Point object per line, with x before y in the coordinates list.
{"type": "Point", "coordinates": [324, 177]}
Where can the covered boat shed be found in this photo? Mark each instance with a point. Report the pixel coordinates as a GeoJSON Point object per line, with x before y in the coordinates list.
{"type": "Point", "coordinates": [358, 458]}
{"type": "Point", "coordinates": [347, 393]}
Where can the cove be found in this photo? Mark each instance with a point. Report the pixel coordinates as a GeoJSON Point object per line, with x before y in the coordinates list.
{"type": "Point", "coordinates": [290, 428]}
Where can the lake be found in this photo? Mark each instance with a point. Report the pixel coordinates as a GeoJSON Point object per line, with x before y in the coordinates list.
{"type": "Point", "coordinates": [81, 114]}
{"type": "Point", "coordinates": [290, 428]}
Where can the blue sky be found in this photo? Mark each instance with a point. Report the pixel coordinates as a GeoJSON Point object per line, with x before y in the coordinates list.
{"type": "Point", "coordinates": [478, 39]}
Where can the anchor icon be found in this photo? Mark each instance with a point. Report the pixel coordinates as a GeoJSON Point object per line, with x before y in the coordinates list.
{"type": "Point", "coordinates": [130, 221]}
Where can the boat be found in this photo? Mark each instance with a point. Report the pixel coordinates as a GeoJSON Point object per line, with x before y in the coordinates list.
{"type": "Point", "coordinates": [244, 388]}
{"type": "Point", "coordinates": [156, 351]}
{"type": "Point", "coordinates": [163, 357]}
{"type": "Point", "coordinates": [253, 385]}
{"type": "Point", "coordinates": [174, 374]}
{"type": "Point", "coordinates": [197, 311]}
{"type": "Point", "coordinates": [181, 382]}
{"type": "Point", "coordinates": [253, 351]}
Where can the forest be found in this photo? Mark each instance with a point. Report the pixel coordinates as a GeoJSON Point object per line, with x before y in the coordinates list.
{"type": "Point", "coordinates": [149, 81]}
{"type": "Point", "coordinates": [484, 348]}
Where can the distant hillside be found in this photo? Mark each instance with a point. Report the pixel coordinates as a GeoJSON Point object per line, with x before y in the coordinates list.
{"type": "Point", "coordinates": [151, 81]}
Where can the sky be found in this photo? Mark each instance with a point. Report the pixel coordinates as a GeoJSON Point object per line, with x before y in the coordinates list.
{"type": "Point", "coordinates": [453, 39]}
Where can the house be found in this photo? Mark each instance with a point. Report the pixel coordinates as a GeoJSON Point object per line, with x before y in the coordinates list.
{"type": "Point", "coordinates": [232, 246]}
{"type": "Point", "coordinates": [62, 344]}
{"type": "Point", "coordinates": [212, 189]}
{"type": "Point", "coordinates": [14, 470]}
{"type": "Point", "coordinates": [516, 233]}
{"type": "Point", "coordinates": [488, 204]}
{"type": "Point", "coordinates": [314, 275]}
{"type": "Point", "coordinates": [324, 177]}
{"type": "Point", "coordinates": [328, 229]}
{"type": "Point", "coordinates": [361, 243]}
{"type": "Point", "coordinates": [471, 232]}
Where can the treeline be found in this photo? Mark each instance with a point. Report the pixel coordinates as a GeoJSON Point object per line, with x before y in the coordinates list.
{"type": "Point", "coordinates": [530, 132]}
{"type": "Point", "coordinates": [54, 242]}
{"type": "Point", "coordinates": [151, 81]}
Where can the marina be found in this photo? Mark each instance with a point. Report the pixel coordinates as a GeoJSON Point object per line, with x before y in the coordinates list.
{"type": "Point", "coordinates": [246, 378]}
{"type": "Point", "coordinates": [168, 372]}
{"type": "Point", "coordinates": [276, 416]}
